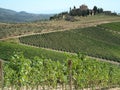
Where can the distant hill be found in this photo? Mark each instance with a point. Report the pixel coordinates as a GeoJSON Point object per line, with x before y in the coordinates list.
{"type": "Point", "coordinates": [7, 15]}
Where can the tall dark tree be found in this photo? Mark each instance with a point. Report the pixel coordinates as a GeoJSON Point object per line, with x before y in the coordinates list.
{"type": "Point", "coordinates": [79, 12]}
{"type": "Point", "coordinates": [74, 7]}
{"type": "Point", "coordinates": [88, 12]}
{"type": "Point", "coordinates": [84, 13]}
{"type": "Point", "coordinates": [73, 13]}
{"type": "Point", "coordinates": [100, 10]}
{"type": "Point", "coordinates": [70, 9]}
{"type": "Point", "coordinates": [95, 9]}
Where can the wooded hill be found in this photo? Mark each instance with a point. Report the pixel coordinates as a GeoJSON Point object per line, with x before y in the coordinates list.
{"type": "Point", "coordinates": [7, 15]}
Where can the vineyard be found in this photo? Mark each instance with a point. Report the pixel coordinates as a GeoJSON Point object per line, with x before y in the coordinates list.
{"type": "Point", "coordinates": [7, 50]}
{"type": "Point", "coordinates": [97, 41]}
{"type": "Point", "coordinates": [111, 26]}
{"type": "Point", "coordinates": [56, 56]}
{"type": "Point", "coordinates": [75, 73]}
{"type": "Point", "coordinates": [17, 29]}
{"type": "Point", "coordinates": [7, 30]}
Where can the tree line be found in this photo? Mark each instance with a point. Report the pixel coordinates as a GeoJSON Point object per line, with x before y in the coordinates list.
{"type": "Point", "coordinates": [83, 10]}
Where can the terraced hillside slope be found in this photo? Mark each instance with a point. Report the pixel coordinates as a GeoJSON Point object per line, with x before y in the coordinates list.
{"type": "Point", "coordinates": [101, 41]}
{"type": "Point", "coordinates": [8, 30]}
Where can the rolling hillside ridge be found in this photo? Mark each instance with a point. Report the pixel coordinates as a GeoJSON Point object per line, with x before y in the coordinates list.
{"type": "Point", "coordinates": [7, 15]}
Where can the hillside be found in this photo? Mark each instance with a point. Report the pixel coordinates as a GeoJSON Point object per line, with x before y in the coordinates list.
{"type": "Point", "coordinates": [13, 30]}
{"type": "Point", "coordinates": [7, 15]}
{"type": "Point", "coordinates": [75, 48]}
{"type": "Point", "coordinates": [44, 68]}
{"type": "Point", "coordinates": [10, 48]}
{"type": "Point", "coordinates": [98, 41]}
{"type": "Point", "coordinates": [84, 73]}
{"type": "Point", "coordinates": [50, 64]}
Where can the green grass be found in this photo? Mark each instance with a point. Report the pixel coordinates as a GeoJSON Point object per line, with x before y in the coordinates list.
{"type": "Point", "coordinates": [8, 49]}
{"type": "Point", "coordinates": [111, 26]}
{"type": "Point", "coordinates": [93, 41]}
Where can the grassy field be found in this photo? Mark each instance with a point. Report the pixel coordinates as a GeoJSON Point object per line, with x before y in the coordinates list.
{"type": "Point", "coordinates": [17, 29]}
{"type": "Point", "coordinates": [93, 41]}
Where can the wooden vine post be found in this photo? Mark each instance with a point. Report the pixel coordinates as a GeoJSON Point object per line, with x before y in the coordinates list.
{"type": "Point", "coordinates": [1, 74]}
{"type": "Point", "coordinates": [70, 73]}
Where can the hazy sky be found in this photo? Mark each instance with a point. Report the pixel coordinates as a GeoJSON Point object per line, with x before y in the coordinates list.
{"type": "Point", "coordinates": [56, 6]}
